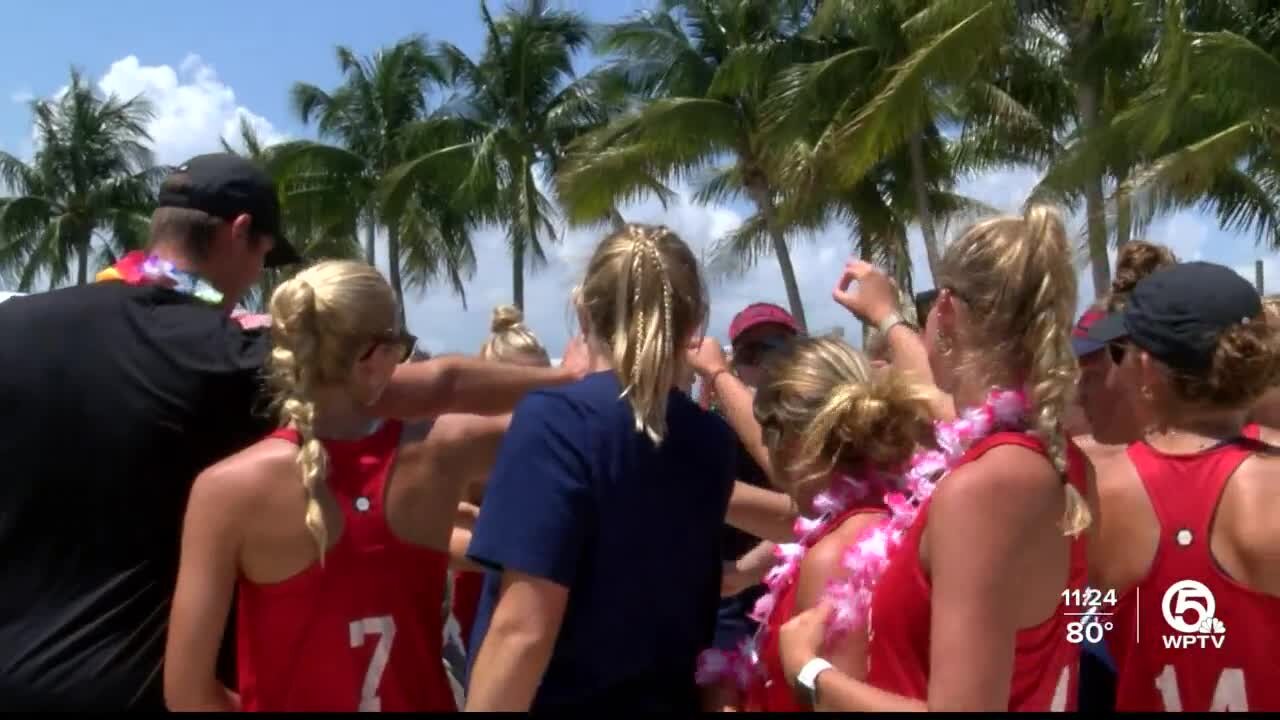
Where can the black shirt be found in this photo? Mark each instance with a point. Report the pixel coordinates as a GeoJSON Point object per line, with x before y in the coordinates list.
{"type": "Point", "coordinates": [114, 398]}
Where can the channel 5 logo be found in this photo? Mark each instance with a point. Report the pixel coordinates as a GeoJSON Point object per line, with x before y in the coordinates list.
{"type": "Point", "coordinates": [1188, 608]}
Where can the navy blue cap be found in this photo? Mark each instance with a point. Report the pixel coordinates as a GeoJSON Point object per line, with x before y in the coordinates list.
{"type": "Point", "coordinates": [1081, 343]}
{"type": "Point", "coordinates": [226, 185]}
{"type": "Point", "coordinates": [1177, 313]}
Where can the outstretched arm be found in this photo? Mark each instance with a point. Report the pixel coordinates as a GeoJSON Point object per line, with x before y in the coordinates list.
{"type": "Point", "coordinates": [458, 384]}
{"type": "Point", "coordinates": [211, 541]}
{"type": "Point", "coordinates": [767, 514]}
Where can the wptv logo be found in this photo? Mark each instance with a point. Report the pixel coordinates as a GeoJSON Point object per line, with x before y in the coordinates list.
{"type": "Point", "coordinates": [1188, 607]}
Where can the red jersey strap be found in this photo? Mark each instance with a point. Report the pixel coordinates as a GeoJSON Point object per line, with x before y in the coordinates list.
{"type": "Point", "coordinates": [287, 434]}
{"type": "Point", "coordinates": [1184, 489]}
{"type": "Point", "coordinates": [994, 440]}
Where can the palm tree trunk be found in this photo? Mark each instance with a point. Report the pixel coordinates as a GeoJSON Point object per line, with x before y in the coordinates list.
{"type": "Point", "coordinates": [1087, 92]}
{"type": "Point", "coordinates": [393, 268]}
{"type": "Point", "coordinates": [764, 204]}
{"type": "Point", "coordinates": [517, 275]}
{"type": "Point", "coordinates": [528, 233]}
{"type": "Point", "coordinates": [919, 186]}
{"type": "Point", "coordinates": [370, 234]}
{"type": "Point", "coordinates": [82, 271]}
{"type": "Point", "coordinates": [1095, 204]}
{"type": "Point", "coordinates": [1124, 212]}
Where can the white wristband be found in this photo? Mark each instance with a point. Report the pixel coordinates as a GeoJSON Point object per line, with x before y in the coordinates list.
{"type": "Point", "coordinates": [807, 678]}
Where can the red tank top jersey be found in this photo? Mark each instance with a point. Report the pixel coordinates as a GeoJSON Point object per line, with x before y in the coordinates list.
{"type": "Point", "coordinates": [773, 692]}
{"type": "Point", "coordinates": [363, 632]}
{"type": "Point", "coordinates": [1046, 665]}
{"type": "Point", "coordinates": [467, 585]}
{"type": "Point", "coordinates": [1224, 657]}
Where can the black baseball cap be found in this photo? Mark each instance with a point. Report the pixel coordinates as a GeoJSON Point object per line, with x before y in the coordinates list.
{"type": "Point", "coordinates": [1178, 313]}
{"type": "Point", "coordinates": [226, 185]}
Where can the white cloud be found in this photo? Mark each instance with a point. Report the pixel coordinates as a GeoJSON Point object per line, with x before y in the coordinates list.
{"type": "Point", "coordinates": [193, 108]}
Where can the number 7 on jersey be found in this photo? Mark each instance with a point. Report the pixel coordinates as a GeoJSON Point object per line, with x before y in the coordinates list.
{"type": "Point", "coordinates": [384, 626]}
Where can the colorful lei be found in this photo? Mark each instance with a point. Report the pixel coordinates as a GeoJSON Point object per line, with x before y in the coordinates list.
{"type": "Point", "coordinates": [868, 556]}
{"type": "Point", "coordinates": [139, 268]}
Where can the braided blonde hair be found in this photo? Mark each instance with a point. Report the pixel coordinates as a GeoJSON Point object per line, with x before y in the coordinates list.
{"type": "Point", "coordinates": [322, 320]}
{"type": "Point", "coordinates": [643, 296]}
{"type": "Point", "coordinates": [510, 340]}
{"type": "Point", "coordinates": [1016, 275]}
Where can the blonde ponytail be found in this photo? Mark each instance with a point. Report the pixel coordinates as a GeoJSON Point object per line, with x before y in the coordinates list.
{"type": "Point", "coordinates": [1052, 380]}
{"type": "Point", "coordinates": [643, 296]}
{"type": "Point", "coordinates": [1016, 275]}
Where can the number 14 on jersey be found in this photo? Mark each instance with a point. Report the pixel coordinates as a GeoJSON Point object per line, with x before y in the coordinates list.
{"type": "Point", "coordinates": [1089, 610]}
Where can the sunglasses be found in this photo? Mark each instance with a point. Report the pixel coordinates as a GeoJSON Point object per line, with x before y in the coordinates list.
{"type": "Point", "coordinates": [406, 340]}
{"type": "Point", "coordinates": [752, 353]}
{"type": "Point", "coordinates": [1117, 351]}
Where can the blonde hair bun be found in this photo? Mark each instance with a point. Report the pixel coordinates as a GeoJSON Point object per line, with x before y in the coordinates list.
{"type": "Point", "coordinates": [505, 319]}
{"type": "Point", "coordinates": [510, 340]}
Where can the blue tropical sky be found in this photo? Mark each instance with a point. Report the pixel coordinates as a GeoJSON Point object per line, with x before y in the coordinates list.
{"type": "Point", "coordinates": [209, 64]}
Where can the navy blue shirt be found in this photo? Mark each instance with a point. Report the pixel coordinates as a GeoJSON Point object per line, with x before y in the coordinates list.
{"type": "Point", "coordinates": [579, 497]}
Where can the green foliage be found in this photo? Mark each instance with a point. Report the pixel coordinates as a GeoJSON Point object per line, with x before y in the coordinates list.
{"type": "Point", "coordinates": [92, 179]}
{"type": "Point", "coordinates": [860, 113]}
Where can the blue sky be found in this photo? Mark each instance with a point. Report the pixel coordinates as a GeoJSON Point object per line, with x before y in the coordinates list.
{"type": "Point", "coordinates": [214, 62]}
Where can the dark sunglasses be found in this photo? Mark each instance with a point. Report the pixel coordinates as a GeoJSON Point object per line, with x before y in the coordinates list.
{"type": "Point", "coordinates": [406, 340]}
{"type": "Point", "coordinates": [753, 353]}
{"type": "Point", "coordinates": [1117, 351]}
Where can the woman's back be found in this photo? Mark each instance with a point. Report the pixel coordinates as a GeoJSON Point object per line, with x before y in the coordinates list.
{"type": "Point", "coordinates": [1207, 513]}
{"type": "Point", "coordinates": [632, 530]}
{"type": "Point", "coordinates": [356, 632]}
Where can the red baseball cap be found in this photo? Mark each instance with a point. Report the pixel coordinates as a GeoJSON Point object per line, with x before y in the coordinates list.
{"type": "Point", "coordinates": [1081, 343]}
{"type": "Point", "coordinates": [758, 314]}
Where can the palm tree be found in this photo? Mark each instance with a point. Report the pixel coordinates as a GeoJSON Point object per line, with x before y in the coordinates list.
{"type": "Point", "coordinates": [811, 103]}
{"type": "Point", "coordinates": [312, 228]}
{"type": "Point", "coordinates": [92, 178]}
{"type": "Point", "coordinates": [1102, 54]}
{"type": "Point", "coordinates": [905, 70]}
{"type": "Point", "coordinates": [371, 115]}
{"type": "Point", "coordinates": [703, 68]}
{"type": "Point", "coordinates": [1211, 119]}
{"type": "Point", "coordinates": [516, 106]}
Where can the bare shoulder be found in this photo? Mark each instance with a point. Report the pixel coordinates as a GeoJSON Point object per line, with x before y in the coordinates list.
{"type": "Point", "coordinates": [822, 562]}
{"type": "Point", "coordinates": [1252, 501]}
{"type": "Point", "coordinates": [246, 476]}
{"type": "Point", "coordinates": [824, 557]}
{"type": "Point", "coordinates": [1269, 435]}
{"type": "Point", "coordinates": [1119, 487]}
{"type": "Point", "coordinates": [1006, 476]}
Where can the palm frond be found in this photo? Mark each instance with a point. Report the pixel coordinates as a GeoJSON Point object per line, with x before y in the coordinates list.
{"type": "Point", "coordinates": [901, 109]}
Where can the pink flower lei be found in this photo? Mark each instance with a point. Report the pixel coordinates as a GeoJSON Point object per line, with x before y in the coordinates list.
{"type": "Point", "coordinates": [867, 557]}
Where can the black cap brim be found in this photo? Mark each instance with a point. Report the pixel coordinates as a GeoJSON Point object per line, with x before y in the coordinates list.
{"type": "Point", "coordinates": [1109, 329]}
{"type": "Point", "coordinates": [281, 253]}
